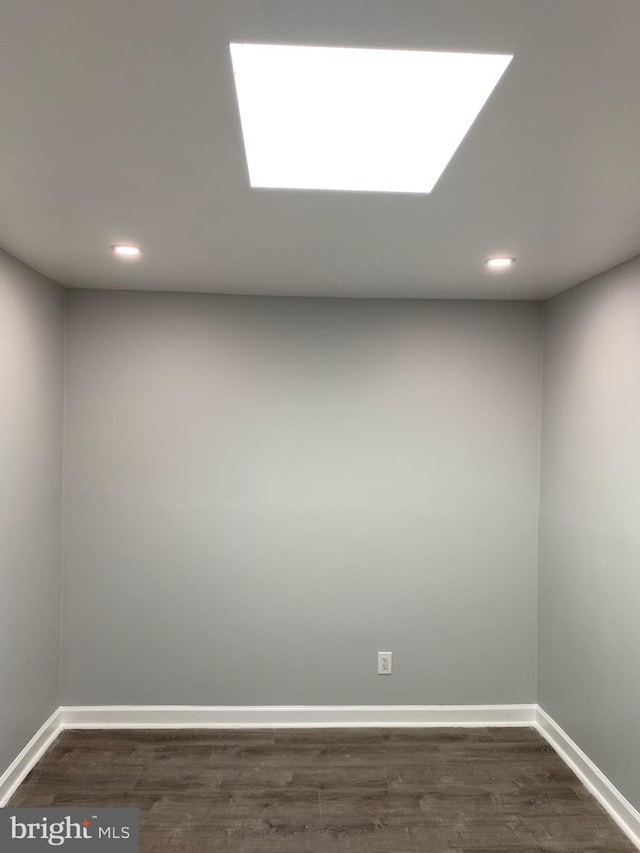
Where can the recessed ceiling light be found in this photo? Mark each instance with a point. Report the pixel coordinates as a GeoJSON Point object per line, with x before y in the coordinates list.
{"type": "Point", "coordinates": [336, 118]}
{"type": "Point", "coordinates": [126, 251]}
{"type": "Point", "coordinates": [500, 263]}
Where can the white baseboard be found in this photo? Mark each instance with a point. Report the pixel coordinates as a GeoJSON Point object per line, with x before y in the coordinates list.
{"type": "Point", "coordinates": [292, 716]}
{"type": "Point", "coordinates": [620, 809]}
{"type": "Point", "coordinates": [29, 757]}
{"type": "Point", "coordinates": [324, 716]}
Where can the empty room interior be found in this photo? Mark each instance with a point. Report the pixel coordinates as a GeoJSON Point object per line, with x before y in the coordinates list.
{"type": "Point", "coordinates": [320, 425]}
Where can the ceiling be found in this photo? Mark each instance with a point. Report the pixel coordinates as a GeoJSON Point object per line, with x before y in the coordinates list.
{"type": "Point", "coordinates": [118, 122]}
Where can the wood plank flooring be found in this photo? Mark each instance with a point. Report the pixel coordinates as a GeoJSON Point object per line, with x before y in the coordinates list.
{"type": "Point", "coordinates": [309, 790]}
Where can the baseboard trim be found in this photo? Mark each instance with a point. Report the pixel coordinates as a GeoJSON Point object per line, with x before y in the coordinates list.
{"type": "Point", "coordinates": [26, 760]}
{"type": "Point", "coordinates": [292, 716]}
{"type": "Point", "coordinates": [324, 716]}
{"type": "Point", "coordinates": [624, 814]}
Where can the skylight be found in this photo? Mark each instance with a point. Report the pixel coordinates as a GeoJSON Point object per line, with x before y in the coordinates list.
{"type": "Point", "coordinates": [335, 118]}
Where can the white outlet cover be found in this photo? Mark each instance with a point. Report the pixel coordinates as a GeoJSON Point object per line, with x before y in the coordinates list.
{"type": "Point", "coordinates": [384, 663]}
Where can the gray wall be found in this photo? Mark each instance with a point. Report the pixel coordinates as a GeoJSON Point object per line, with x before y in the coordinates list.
{"type": "Point", "coordinates": [263, 493]}
{"type": "Point", "coordinates": [589, 585]}
{"type": "Point", "coordinates": [31, 400]}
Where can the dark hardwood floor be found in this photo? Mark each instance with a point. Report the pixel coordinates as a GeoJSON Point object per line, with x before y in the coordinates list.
{"type": "Point", "coordinates": [309, 790]}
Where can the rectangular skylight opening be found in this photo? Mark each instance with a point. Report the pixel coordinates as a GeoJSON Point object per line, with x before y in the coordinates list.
{"type": "Point", "coordinates": [336, 118]}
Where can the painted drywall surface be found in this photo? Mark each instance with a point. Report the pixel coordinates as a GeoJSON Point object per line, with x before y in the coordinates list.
{"type": "Point", "coordinates": [589, 585]}
{"type": "Point", "coordinates": [261, 494]}
{"type": "Point", "coordinates": [31, 401]}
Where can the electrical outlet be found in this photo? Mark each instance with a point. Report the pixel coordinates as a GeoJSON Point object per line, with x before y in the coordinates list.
{"type": "Point", "coordinates": [384, 663]}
